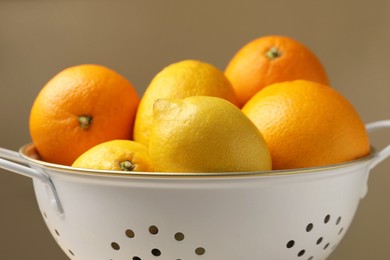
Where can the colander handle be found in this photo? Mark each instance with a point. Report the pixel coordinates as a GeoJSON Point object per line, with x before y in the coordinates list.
{"type": "Point", "coordinates": [12, 161]}
{"type": "Point", "coordinates": [385, 152]}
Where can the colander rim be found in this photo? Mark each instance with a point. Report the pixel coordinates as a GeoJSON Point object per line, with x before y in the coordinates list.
{"type": "Point", "coordinates": [29, 154]}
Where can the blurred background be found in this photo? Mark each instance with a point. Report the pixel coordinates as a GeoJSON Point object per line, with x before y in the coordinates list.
{"type": "Point", "coordinates": [39, 38]}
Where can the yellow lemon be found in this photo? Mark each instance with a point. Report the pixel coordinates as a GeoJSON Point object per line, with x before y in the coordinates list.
{"type": "Point", "coordinates": [117, 155]}
{"type": "Point", "coordinates": [205, 134]}
{"type": "Point", "coordinates": [179, 80]}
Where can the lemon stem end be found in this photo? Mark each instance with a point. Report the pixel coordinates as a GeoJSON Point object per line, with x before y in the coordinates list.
{"type": "Point", "coordinates": [126, 166]}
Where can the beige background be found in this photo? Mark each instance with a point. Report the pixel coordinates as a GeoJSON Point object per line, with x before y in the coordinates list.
{"type": "Point", "coordinates": [137, 38]}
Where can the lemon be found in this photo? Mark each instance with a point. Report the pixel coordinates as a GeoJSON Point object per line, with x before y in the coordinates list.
{"type": "Point", "coordinates": [205, 134]}
{"type": "Point", "coordinates": [117, 155]}
{"type": "Point", "coordinates": [179, 80]}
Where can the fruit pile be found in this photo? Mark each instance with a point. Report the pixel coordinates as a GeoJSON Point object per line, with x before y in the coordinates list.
{"type": "Point", "coordinates": [272, 108]}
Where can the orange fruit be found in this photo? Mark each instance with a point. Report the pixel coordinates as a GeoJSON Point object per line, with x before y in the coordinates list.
{"type": "Point", "coordinates": [307, 124]}
{"type": "Point", "coordinates": [79, 108]}
{"type": "Point", "coordinates": [116, 155]}
{"type": "Point", "coordinates": [270, 59]}
{"type": "Point", "coordinates": [180, 80]}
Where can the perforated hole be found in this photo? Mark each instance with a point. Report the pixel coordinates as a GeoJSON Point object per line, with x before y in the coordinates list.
{"type": "Point", "coordinates": [309, 227]}
{"type": "Point", "coordinates": [338, 221]}
{"type": "Point", "coordinates": [179, 236]}
{"type": "Point", "coordinates": [156, 252]}
{"type": "Point", "coordinates": [326, 219]}
{"type": "Point", "coordinates": [290, 244]}
{"type": "Point", "coordinates": [136, 258]}
{"type": "Point", "coordinates": [301, 253]}
{"type": "Point", "coordinates": [130, 233]}
{"type": "Point", "coordinates": [200, 251]}
{"type": "Point", "coordinates": [153, 230]}
{"type": "Point", "coordinates": [115, 246]}
{"type": "Point", "coordinates": [71, 252]}
{"type": "Point", "coordinates": [326, 246]}
{"type": "Point", "coordinates": [57, 233]}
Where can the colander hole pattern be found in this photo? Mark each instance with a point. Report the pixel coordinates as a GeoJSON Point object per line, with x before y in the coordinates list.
{"type": "Point", "coordinates": [58, 235]}
{"type": "Point", "coordinates": [153, 230]}
{"type": "Point", "coordinates": [301, 253]}
{"type": "Point", "coordinates": [199, 251]}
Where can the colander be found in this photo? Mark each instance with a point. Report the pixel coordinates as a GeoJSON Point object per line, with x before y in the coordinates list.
{"type": "Point", "coordinates": [102, 215]}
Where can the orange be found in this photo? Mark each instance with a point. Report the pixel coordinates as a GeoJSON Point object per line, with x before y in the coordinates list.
{"type": "Point", "coordinates": [181, 79]}
{"type": "Point", "coordinates": [270, 59]}
{"type": "Point", "coordinates": [116, 155]}
{"type": "Point", "coordinates": [79, 108]}
{"type": "Point", "coordinates": [307, 124]}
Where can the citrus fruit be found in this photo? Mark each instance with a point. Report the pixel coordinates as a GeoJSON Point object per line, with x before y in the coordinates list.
{"type": "Point", "coordinates": [116, 155]}
{"type": "Point", "coordinates": [205, 134]}
{"type": "Point", "coordinates": [307, 124]}
{"type": "Point", "coordinates": [79, 108]}
{"type": "Point", "coordinates": [179, 80]}
{"type": "Point", "coordinates": [272, 59]}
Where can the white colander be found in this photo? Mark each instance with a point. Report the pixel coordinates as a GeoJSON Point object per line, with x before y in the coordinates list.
{"type": "Point", "coordinates": [101, 215]}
